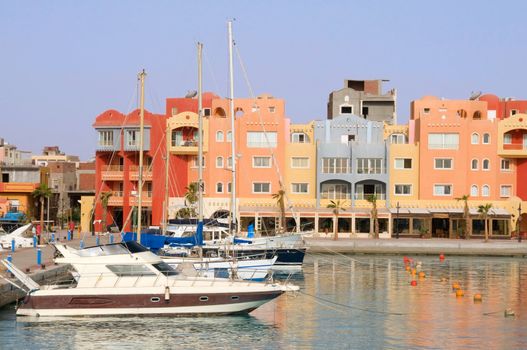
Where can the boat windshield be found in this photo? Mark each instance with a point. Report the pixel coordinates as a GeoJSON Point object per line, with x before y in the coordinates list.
{"type": "Point", "coordinates": [113, 249]}
{"type": "Point", "coordinates": [165, 269]}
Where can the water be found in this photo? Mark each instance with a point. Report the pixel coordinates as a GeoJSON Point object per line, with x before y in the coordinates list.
{"type": "Point", "coordinates": [346, 302]}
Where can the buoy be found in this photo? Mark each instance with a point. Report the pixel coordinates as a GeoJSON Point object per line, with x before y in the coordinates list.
{"type": "Point", "coordinates": [405, 259]}
{"type": "Point", "coordinates": [509, 313]}
{"type": "Point", "coordinates": [413, 283]}
{"type": "Point", "coordinates": [422, 274]}
{"type": "Point", "coordinates": [478, 298]}
{"type": "Point", "coordinates": [414, 272]}
{"type": "Point", "coordinates": [460, 293]}
{"type": "Point", "coordinates": [407, 268]}
{"type": "Point", "coordinates": [455, 286]}
{"type": "Point", "coordinates": [441, 257]}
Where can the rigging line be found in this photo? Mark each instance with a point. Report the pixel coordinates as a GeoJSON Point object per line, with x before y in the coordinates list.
{"type": "Point", "coordinates": [211, 72]}
{"type": "Point", "coordinates": [273, 157]}
{"type": "Point", "coordinates": [349, 258]}
{"type": "Point", "coordinates": [351, 307]}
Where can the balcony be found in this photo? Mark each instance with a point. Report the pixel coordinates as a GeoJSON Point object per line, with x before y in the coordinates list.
{"type": "Point", "coordinates": [147, 173]}
{"type": "Point", "coordinates": [112, 173]}
{"type": "Point", "coordinates": [116, 199]}
{"type": "Point", "coordinates": [146, 199]}
{"type": "Point", "coordinates": [185, 147]}
{"type": "Point", "coordinates": [512, 150]}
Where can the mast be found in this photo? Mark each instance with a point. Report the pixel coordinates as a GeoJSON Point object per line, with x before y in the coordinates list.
{"type": "Point", "coordinates": [200, 140]}
{"type": "Point", "coordinates": [142, 76]}
{"type": "Point", "coordinates": [167, 163]}
{"type": "Point", "coordinates": [232, 222]}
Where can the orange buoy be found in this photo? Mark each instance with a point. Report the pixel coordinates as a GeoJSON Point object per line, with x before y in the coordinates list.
{"type": "Point", "coordinates": [441, 257]}
{"type": "Point", "coordinates": [455, 286]}
{"type": "Point", "coordinates": [407, 268]}
{"type": "Point", "coordinates": [422, 274]}
{"type": "Point", "coordinates": [478, 298]}
{"type": "Point", "coordinates": [414, 271]}
{"type": "Point", "coordinates": [413, 283]}
{"type": "Point", "coordinates": [460, 293]}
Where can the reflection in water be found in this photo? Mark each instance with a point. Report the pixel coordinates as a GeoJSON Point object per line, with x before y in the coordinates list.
{"type": "Point", "coordinates": [345, 302]}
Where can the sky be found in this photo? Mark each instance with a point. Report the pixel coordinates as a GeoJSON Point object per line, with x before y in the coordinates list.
{"type": "Point", "coordinates": [65, 62]}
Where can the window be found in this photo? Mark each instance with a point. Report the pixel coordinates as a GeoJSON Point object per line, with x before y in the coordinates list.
{"type": "Point", "coordinates": [229, 136]}
{"type": "Point", "coordinates": [370, 166]}
{"type": "Point", "coordinates": [443, 141]}
{"type": "Point", "coordinates": [219, 136]}
{"type": "Point", "coordinates": [335, 165]}
{"type": "Point", "coordinates": [485, 190]}
{"type": "Point", "coordinates": [426, 110]}
{"type": "Point", "coordinates": [443, 163]}
{"type": "Point", "coordinates": [486, 138]}
{"type": "Point", "coordinates": [132, 138]}
{"type": "Point", "coordinates": [229, 187]}
{"type": "Point", "coordinates": [177, 138]}
{"type": "Point", "coordinates": [403, 163]}
{"type": "Point", "coordinates": [130, 270]}
{"type": "Point", "coordinates": [505, 190]}
{"type": "Point", "coordinates": [261, 162]}
{"type": "Point", "coordinates": [299, 137]}
{"type": "Point", "coordinates": [219, 187]}
{"type": "Point", "coordinates": [507, 139]}
{"type": "Point", "coordinates": [206, 112]}
{"type": "Point", "coordinates": [195, 162]}
{"type": "Point", "coordinates": [476, 115]}
{"type": "Point", "coordinates": [514, 111]}
{"type": "Point", "coordinates": [442, 190]}
{"type": "Point", "coordinates": [398, 138]}
{"type": "Point", "coordinates": [474, 192]}
{"type": "Point", "coordinates": [299, 188]}
{"type": "Point", "coordinates": [505, 165]}
{"type": "Point", "coordinates": [255, 108]}
{"type": "Point", "coordinates": [105, 138]}
{"type": "Point", "coordinates": [335, 191]}
{"type": "Point", "coordinates": [486, 164]}
{"type": "Point", "coordinates": [174, 111]}
{"type": "Point", "coordinates": [261, 139]}
{"type": "Point", "coordinates": [475, 139]}
{"type": "Point", "coordinates": [300, 162]}
{"type": "Point", "coordinates": [346, 109]}
{"type": "Point", "coordinates": [219, 162]}
{"type": "Point", "coordinates": [229, 162]}
{"type": "Point", "coordinates": [403, 190]}
{"type": "Point", "coordinates": [261, 187]}
{"type": "Point", "coordinates": [272, 109]}
{"type": "Point", "coordinates": [474, 164]}
{"type": "Point", "coordinates": [363, 191]}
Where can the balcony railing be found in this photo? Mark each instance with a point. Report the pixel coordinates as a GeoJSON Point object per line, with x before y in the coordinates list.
{"type": "Point", "coordinates": [365, 196]}
{"type": "Point", "coordinates": [112, 172]}
{"type": "Point", "coordinates": [134, 172]}
{"type": "Point", "coordinates": [514, 146]}
{"type": "Point", "coordinates": [112, 168]}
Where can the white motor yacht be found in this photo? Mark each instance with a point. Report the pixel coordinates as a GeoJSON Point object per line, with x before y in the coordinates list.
{"type": "Point", "coordinates": [127, 279]}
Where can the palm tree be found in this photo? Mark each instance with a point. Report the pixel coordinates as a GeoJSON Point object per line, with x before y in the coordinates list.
{"type": "Point", "coordinates": [466, 213]}
{"type": "Point", "coordinates": [191, 198]}
{"type": "Point", "coordinates": [280, 196]}
{"type": "Point", "coordinates": [41, 193]}
{"type": "Point", "coordinates": [372, 198]}
{"type": "Point", "coordinates": [105, 197]}
{"type": "Point", "coordinates": [483, 211]}
{"type": "Point", "coordinates": [337, 207]}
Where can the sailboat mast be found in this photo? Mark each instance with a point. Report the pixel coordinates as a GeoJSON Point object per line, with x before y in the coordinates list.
{"type": "Point", "coordinates": [200, 133]}
{"type": "Point", "coordinates": [232, 222]}
{"type": "Point", "coordinates": [167, 163]}
{"type": "Point", "coordinates": [142, 76]}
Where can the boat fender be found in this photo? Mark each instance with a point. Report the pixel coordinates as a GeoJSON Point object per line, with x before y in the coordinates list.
{"type": "Point", "coordinates": [167, 294]}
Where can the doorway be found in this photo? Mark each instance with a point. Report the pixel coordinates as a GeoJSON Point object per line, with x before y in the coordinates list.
{"type": "Point", "coordinates": [440, 227]}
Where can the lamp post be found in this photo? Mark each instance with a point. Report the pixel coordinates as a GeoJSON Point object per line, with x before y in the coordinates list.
{"type": "Point", "coordinates": [397, 220]}
{"type": "Point", "coordinates": [518, 222]}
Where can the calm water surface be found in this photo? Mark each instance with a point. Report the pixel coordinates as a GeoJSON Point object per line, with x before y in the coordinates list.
{"type": "Point", "coordinates": [346, 302]}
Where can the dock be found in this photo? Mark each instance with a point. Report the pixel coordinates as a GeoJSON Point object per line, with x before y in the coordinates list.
{"type": "Point", "coordinates": [418, 246]}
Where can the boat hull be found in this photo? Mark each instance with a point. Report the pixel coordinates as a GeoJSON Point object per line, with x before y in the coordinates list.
{"type": "Point", "coordinates": [286, 257]}
{"type": "Point", "coordinates": [144, 304]}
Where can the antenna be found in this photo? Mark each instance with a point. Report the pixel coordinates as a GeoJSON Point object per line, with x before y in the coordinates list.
{"type": "Point", "coordinates": [474, 95]}
{"type": "Point", "coordinates": [191, 94]}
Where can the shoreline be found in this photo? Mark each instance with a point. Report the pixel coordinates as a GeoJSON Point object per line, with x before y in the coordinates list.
{"type": "Point", "coordinates": [417, 246]}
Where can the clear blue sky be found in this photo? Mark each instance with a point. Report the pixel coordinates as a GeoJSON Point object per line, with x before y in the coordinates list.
{"type": "Point", "coordinates": [65, 62]}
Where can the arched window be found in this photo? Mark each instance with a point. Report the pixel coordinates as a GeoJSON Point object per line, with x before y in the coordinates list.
{"type": "Point", "coordinates": [474, 191]}
{"type": "Point", "coordinates": [238, 112]}
{"type": "Point", "coordinates": [486, 138]}
{"type": "Point", "coordinates": [219, 162]}
{"type": "Point", "coordinates": [229, 136]}
{"type": "Point", "coordinates": [486, 164]}
{"type": "Point", "coordinates": [485, 190]}
{"type": "Point", "coordinates": [219, 187]}
{"type": "Point", "coordinates": [474, 164]}
{"type": "Point", "coordinates": [462, 113]}
{"type": "Point", "coordinates": [229, 162]}
{"type": "Point", "coordinates": [219, 136]}
{"type": "Point", "coordinates": [229, 187]}
{"type": "Point", "coordinates": [220, 112]}
{"type": "Point", "coordinates": [475, 138]}
{"type": "Point", "coordinates": [477, 115]}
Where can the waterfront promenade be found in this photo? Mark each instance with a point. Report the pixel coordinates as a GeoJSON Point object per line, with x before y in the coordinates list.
{"type": "Point", "coordinates": [417, 246]}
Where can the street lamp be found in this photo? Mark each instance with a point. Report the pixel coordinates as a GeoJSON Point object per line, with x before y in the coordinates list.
{"type": "Point", "coordinates": [518, 222]}
{"type": "Point", "coordinates": [397, 220]}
